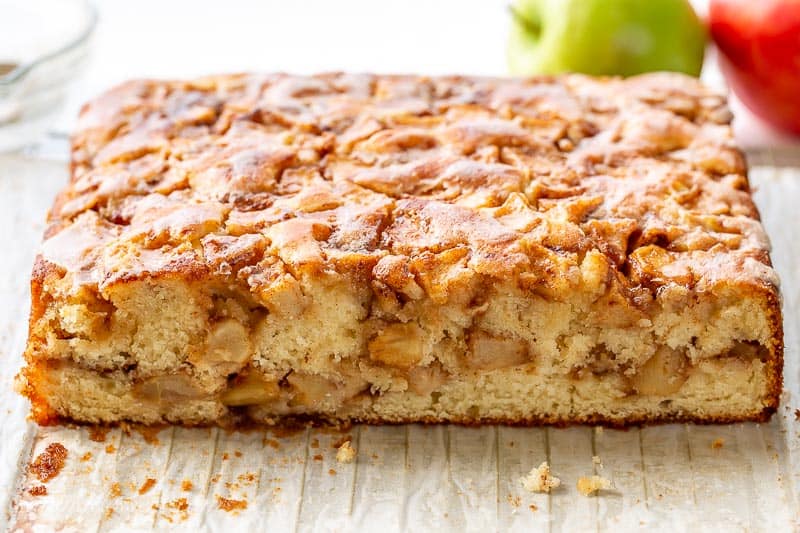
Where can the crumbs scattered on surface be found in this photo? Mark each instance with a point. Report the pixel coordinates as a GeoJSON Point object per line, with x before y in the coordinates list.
{"type": "Point", "coordinates": [272, 443]}
{"type": "Point", "coordinates": [180, 505]}
{"type": "Point", "coordinates": [286, 431]}
{"type": "Point", "coordinates": [588, 485]}
{"type": "Point", "coordinates": [539, 479]}
{"type": "Point", "coordinates": [231, 505]}
{"type": "Point", "coordinates": [150, 433]}
{"type": "Point", "coordinates": [148, 484]}
{"type": "Point", "coordinates": [186, 485]}
{"type": "Point", "coordinates": [533, 508]}
{"type": "Point", "coordinates": [215, 478]}
{"type": "Point", "coordinates": [338, 443]}
{"type": "Point", "coordinates": [596, 461]}
{"type": "Point", "coordinates": [86, 457]}
{"type": "Point", "coordinates": [225, 456]}
{"type": "Point", "coordinates": [314, 443]}
{"type": "Point", "coordinates": [515, 501]}
{"type": "Point", "coordinates": [110, 448]}
{"type": "Point", "coordinates": [317, 457]}
{"type": "Point", "coordinates": [716, 444]}
{"type": "Point", "coordinates": [797, 414]}
{"type": "Point", "coordinates": [116, 490]}
{"type": "Point", "coordinates": [38, 490]}
{"type": "Point", "coordinates": [109, 512]}
{"type": "Point", "coordinates": [332, 472]}
{"type": "Point", "coordinates": [346, 453]}
{"type": "Point", "coordinates": [98, 433]}
{"type": "Point", "coordinates": [237, 453]}
{"type": "Point", "coordinates": [49, 463]}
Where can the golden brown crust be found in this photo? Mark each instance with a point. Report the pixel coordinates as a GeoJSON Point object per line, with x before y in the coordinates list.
{"type": "Point", "coordinates": [413, 185]}
{"type": "Point", "coordinates": [339, 170]}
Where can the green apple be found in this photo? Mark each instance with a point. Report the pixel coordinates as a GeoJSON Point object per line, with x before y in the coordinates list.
{"type": "Point", "coordinates": [623, 37]}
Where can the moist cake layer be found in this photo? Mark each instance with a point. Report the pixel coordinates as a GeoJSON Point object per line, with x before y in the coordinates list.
{"type": "Point", "coordinates": [397, 248]}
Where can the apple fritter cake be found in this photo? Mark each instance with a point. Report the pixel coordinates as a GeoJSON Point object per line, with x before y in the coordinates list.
{"type": "Point", "coordinates": [383, 249]}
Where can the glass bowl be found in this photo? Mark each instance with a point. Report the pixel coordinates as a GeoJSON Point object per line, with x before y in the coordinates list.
{"type": "Point", "coordinates": [43, 46]}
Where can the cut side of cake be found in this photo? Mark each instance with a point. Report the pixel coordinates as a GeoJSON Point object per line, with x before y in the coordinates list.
{"type": "Point", "coordinates": [388, 249]}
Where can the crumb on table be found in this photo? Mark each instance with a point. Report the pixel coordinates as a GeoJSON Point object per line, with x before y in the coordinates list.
{"type": "Point", "coordinates": [38, 490]}
{"type": "Point", "coordinates": [716, 444]}
{"type": "Point", "coordinates": [49, 463]}
{"type": "Point", "coordinates": [346, 453]}
{"type": "Point", "coordinates": [590, 484]}
{"type": "Point", "coordinates": [231, 505]}
{"type": "Point", "coordinates": [539, 479]}
{"type": "Point", "coordinates": [148, 484]}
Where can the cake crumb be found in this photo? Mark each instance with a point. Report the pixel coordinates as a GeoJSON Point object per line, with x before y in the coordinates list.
{"type": "Point", "coordinates": [116, 490]}
{"type": "Point", "coordinates": [231, 505]}
{"type": "Point", "coordinates": [332, 472]}
{"type": "Point", "coordinates": [317, 457]}
{"type": "Point", "coordinates": [180, 505]}
{"type": "Point", "coordinates": [110, 448]}
{"type": "Point", "coordinates": [86, 457]}
{"type": "Point", "coordinates": [515, 501]}
{"type": "Point", "coordinates": [797, 414]}
{"type": "Point", "coordinates": [237, 453]}
{"type": "Point", "coordinates": [148, 484]}
{"type": "Point", "coordinates": [315, 443]}
{"type": "Point", "coordinates": [338, 442]}
{"type": "Point", "coordinates": [49, 463]}
{"type": "Point", "coordinates": [716, 444]}
{"type": "Point", "coordinates": [109, 512]}
{"type": "Point", "coordinates": [225, 456]}
{"type": "Point", "coordinates": [186, 485]}
{"type": "Point", "coordinates": [590, 484]}
{"type": "Point", "coordinates": [540, 480]}
{"type": "Point", "coordinates": [149, 434]}
{"type": "Point", "coordinates": [596, 460]}
{"type": "Point", "coordinates": [98, 433]}
{"type": "Point", "coordinates": [38, 490]}
{"type": "Point", "coordinates": [272, 443]}
{"type": "Point", "coordinates": [533, 507]}
{"type": "Point", "coordinates": [346, 453]}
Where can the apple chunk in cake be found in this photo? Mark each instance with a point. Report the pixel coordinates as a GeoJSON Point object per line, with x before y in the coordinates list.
{"type": "Point", "coordinates": [397, 248]}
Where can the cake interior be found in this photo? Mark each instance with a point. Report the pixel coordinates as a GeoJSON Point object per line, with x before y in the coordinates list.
{"type": "Point", "coordinates": [335, 349]}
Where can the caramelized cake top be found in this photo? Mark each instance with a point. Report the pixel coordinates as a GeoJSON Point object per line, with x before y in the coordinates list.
{"type": "Point", "coordinates": [419, 184]}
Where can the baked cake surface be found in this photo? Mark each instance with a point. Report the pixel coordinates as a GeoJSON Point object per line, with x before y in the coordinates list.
{"type": "Point", "coordinates": [398, 248]}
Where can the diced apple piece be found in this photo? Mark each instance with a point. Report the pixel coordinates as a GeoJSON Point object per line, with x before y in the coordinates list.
{"type": "Point", "coordinates": [663, 374]}
{"type": "Point", "coordinates": [228, 347]}
{"type": "Point", "coordinates": [488, 352]}
{"type": "Point", "coordinates": [423, 380]}
{"type": "Point", "coordinates": [398, 345]}
{"type": "Point", "coordinates": [252, 389]}
{"type": "Point", "coordinates": [172, 388]}
{"type": "Point", "coordinates": [316, 391]}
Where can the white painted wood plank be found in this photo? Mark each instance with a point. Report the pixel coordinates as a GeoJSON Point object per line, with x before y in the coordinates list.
{"type": "Point", "coordinates": [570, 458]}
{"type": "Point", "coordinates": [429, 496]}
{"type": "Point", "coordinates": [328, 485]}
{"type": "Point", "coordinates": [520, 450]}
{"type": "Point", "coordinates": [473, 472]}
{"type": "Point", "coordinates": [668, 476]}
{"type": "Point", "coordinates": [380, 474]}
{"type": "Point", "coordinates": [620, 456]}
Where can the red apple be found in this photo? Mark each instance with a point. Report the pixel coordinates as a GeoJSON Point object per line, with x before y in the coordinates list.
{"type": "Point", "coordinates": [759, 44]}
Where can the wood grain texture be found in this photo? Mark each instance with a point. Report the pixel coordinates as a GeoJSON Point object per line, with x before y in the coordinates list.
{"type": "Point", "coordinates": [412, 478]}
